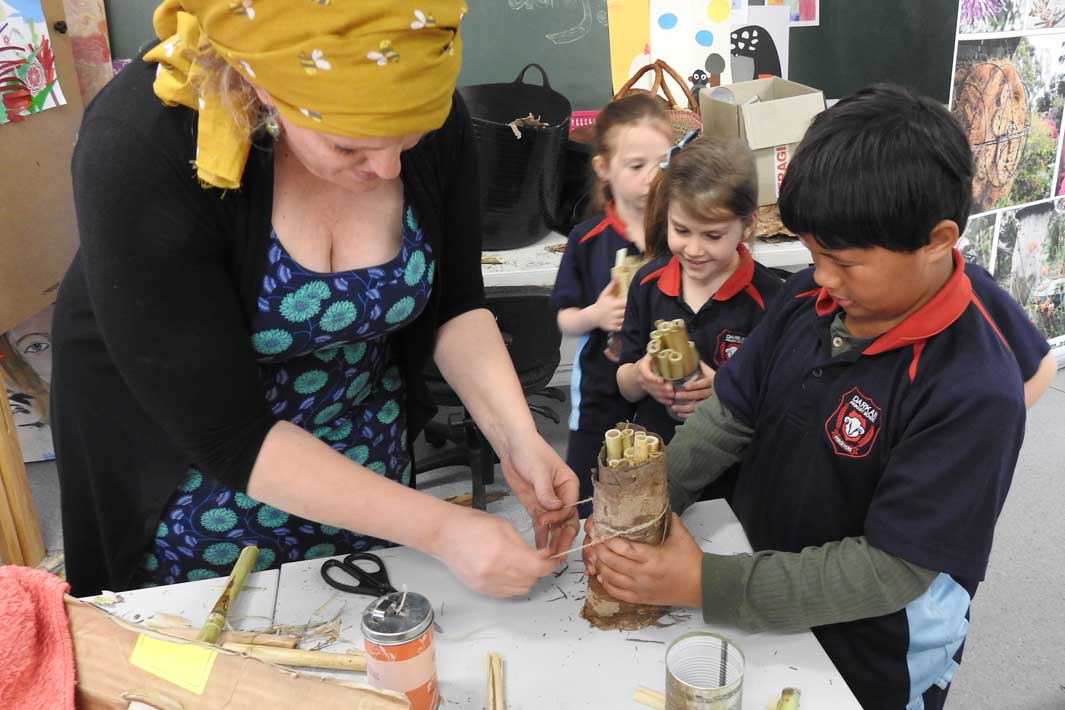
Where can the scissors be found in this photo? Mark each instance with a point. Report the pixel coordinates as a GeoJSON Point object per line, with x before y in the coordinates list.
{"type": "Point", "coordinates": [371, 582]}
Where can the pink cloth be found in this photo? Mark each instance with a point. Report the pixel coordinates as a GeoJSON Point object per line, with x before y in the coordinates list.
{"type": "Point", "coordinates": [36, 650]}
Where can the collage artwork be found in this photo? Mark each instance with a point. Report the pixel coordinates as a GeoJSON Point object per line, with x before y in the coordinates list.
{"type": "Point", "coordinates": [1009, 94]}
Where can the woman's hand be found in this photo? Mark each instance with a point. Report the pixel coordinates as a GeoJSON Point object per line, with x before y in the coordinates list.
{"type": "Point", "coordinates": [694, 392]}
{"type": "Point", "coordinates": [548, 489]}
{"type": "Point", "coordinates": [489, 556]}
{"type": "Point", "coordinates": [652, 383]}
{"type": "Point", "coordinates": [609, 309]}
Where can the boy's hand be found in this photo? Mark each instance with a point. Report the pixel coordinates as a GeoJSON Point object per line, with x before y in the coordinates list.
{"type": "Point", "coordinates": [694, 392]}
{"type": "Point", "coordinates": [666, 575]}
{"type": "Point", "coordinates": [609, 309]}
{"type": "Point", "coordinates": [653, 384]}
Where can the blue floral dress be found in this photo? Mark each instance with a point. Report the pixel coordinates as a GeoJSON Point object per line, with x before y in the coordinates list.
{"type": "Point", "coordinates": [326, 365]}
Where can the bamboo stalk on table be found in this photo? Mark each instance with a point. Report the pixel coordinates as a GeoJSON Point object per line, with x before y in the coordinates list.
{"type": "Point", "coordinates": [649, 698]}
{"type": "Point", "coordinates": [216, 620]}
{"type": "Point", "coordinates": [352, 661]}
{"type": "Point", "coordinates": [251, 638]}
{"type": "Point", "coordinates": [494, 664]}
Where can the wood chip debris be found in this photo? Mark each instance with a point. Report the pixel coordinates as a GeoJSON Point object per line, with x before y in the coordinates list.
{"type": "Point", "coordinates": [556, 248]}
{"type": "Point", "coordinates": [487, 260]}
{"type": "Point", "coordinates": [494, 664]}
{"type": "Point", "coordinates": [529, 121]}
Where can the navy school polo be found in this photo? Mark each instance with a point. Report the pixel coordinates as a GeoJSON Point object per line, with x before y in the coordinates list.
{"type": "Point", "coordinates": [718, 329]}
{"type": "Point", "coordinates": [911, 442]}
{"type": "Point", "coordinates": [596, 403]}
{"type": "Point", "coordinates": [1028, 344]}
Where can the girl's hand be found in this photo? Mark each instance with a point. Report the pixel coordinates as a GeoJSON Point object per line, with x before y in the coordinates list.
{"type": "Point", "coordinates": [489, 556]}
{"type": "Point", "coordinates": [653, 384]}
{"type": "Point", "coordinates": [609, 313]}
{"type": "Point", "coordinates": [694, 392]}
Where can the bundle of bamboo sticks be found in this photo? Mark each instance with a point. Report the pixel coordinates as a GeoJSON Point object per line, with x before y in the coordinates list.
{"type": "Point", "coordinates": [627, 447]}
{"type": "Point", "coordinates": [625, 267]}
{"type": "Point", "coordinates": [673, 356]}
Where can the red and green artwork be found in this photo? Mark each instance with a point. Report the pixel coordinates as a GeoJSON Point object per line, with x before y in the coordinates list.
{"type": "Point", "coordinates": [28, 80]}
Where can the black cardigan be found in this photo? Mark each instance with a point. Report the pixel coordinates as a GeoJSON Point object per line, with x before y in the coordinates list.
{"type": "Point", "coordinates": [153, 367]}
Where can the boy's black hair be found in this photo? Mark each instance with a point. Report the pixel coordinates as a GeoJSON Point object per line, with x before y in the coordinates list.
{"type": "Point", "coordinates": [878, 169]}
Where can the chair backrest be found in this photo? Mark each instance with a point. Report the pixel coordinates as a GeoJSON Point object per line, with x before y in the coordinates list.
{"type": "Point", "coordinates": [528, 324]}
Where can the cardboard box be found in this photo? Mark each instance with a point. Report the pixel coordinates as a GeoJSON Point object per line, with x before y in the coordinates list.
{"type": "Point", "coordinates": [771, 115]}
{"type": "Point", "coordinates": [118, 670]}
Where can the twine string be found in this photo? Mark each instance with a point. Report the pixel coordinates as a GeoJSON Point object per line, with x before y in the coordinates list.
{"type": "Point", "coordinates": [615, 533]}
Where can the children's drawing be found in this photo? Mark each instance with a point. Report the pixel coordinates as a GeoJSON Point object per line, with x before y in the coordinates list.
{"type": "Point", "coordinates": [693, 35]}
{"type": "Point", "coordinates": [89, 43]}
{"type": "Point", "coordinates": [1008, 95]}
{"type": "Point", "coordinates": [26, 361]}
{"type": "Point", "coordinates": [760, 48]}
{"type": "Point", "coordinates": [28, 81]}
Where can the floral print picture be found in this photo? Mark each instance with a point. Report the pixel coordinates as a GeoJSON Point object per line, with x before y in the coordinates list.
{"type": "Point", "coordinates": [28, 80]}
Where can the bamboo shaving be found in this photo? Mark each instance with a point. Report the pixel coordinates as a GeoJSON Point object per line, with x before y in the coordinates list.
{"type": "Point", "coordinates": [494, 665]}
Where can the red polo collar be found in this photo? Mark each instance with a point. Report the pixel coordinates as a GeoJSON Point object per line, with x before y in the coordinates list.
{"type": "Point", "coordinates": [930, 319]}
{"type": "Point", "coordinates": [610, 220]}
{"type": "Point", "coordinates": [740, 280]}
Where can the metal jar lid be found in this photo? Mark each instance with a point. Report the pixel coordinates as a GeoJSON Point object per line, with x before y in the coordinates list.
{"type": "Point", "coordinates": [387, 623]}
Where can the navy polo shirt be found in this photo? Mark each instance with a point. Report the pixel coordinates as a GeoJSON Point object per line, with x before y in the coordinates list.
{"type": "Point", "coordinates": [596, 403]}
{"type": "Point", "coordinates": [718, 329]}
{"type": "Point", "coordinates": [1028, 344]}
{"type": "Point", "coordinates": [911, 442]}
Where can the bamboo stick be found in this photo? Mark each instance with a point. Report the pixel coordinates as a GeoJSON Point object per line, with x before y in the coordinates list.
{"type": "Point", "coordinates": [653, 445]}
{"type": "Point", "coordinates": [630, 437]}
{"type": "Point", "coordinates": [676, 364]}
{"type": "Point", "coordinates": [615, 446]}
{"type": "Point", "coordinates": [690, 358]}
{"type": "Point", "coordinates": [352, 661]}
{"type": "Point", "coordinates": [641, 452]}
{"type": "Point", "coordinates": [650, 698]}
{"type": "Point", "coordinates": [662, 324]}
{"type": "Point", "coordinates": [216, 620]}
{"type": "Point", "coordinates": [250, 638]}
{"type": "Point", "coordinates": [495, 681]}
{"type": "Point", "coordinates": [614, 463]}
{"type": "Point", "coordinates": [664, 368]}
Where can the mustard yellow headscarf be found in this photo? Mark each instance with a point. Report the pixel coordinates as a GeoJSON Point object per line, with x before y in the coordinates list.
{"type": "Point", "coordinates": [353, 68]}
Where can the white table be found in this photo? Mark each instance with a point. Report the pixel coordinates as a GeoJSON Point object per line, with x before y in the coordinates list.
{"type": "Point", "coordinates": [552, 658]}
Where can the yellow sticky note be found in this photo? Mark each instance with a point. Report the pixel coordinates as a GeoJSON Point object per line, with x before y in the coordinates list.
{"type": "Point", "coordinates": [183, 664]}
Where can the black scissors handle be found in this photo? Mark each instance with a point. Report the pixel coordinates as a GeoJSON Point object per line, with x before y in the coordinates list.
{"type": "Point", "coordinates": [373, 583]}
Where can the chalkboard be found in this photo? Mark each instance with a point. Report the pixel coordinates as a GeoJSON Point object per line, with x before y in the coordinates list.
{"type": "Point", "coordinates": [858, 42]}
{"type": "Point", "coordinates": [567, 37]}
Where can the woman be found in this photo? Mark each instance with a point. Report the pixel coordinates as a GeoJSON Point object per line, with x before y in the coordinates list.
{"type": "Point", "coordinates": [239, 343]}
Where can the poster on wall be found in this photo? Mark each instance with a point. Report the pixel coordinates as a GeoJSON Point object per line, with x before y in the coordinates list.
{"type": "Point", "coordinates": [1008, 92]}
{"type": "Point", "coordinates": [693, 37]}
{"type": "Point", "coordinates": [26, 361]}
{"type": "Point", "coordinates": [801, 13]}
{"type": "Point", "coordinates": [28, 80]}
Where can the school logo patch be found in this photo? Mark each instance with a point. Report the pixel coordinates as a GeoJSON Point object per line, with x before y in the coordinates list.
{"type": "Point", "coordinates": [853, 427]}
{"type": "Point", "coordinates": [728, 342]}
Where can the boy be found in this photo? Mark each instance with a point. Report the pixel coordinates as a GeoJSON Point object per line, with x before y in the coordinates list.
{"type": "Point", "coordinates": [878, 413]}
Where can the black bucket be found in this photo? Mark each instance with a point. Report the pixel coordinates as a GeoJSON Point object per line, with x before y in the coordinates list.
{"type": "Point", "coordinates": [520, 180]}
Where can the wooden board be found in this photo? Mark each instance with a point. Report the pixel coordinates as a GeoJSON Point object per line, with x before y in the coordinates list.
{"type": "Point", "coordinates": [38, 237]}
{"type": "Point", "coordinates": [20, 530]}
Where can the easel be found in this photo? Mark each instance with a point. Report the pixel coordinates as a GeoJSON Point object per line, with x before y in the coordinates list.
{"type": "Point", "coordinates": [20, 531]}
{"type": "Point", "coordinates": [35, 249]}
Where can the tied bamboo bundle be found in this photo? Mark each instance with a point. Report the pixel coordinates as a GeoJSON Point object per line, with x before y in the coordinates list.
{"type": "Point", "coordinates": [630, 500]}
{"type": "Point", "coordinates": [673, 356]}
{"type": "Point", "coordinates": [625, 267]}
